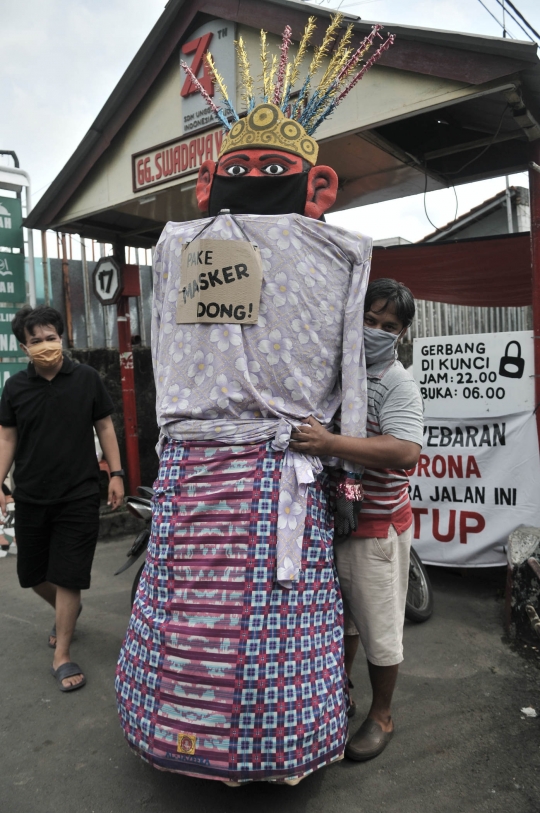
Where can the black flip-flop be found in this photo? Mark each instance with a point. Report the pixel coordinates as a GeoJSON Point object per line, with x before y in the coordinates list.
{"type": "Point", "coordinates": [52, 633]}
{"type": "Point", "coordinates": [68, 670]}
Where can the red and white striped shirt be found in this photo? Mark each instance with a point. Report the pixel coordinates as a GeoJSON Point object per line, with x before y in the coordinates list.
{"type": "Point", "coordinates": [394, 408]}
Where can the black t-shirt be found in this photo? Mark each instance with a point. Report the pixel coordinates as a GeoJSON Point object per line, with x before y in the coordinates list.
{"type": "Point", "coordinates": [55, 457]}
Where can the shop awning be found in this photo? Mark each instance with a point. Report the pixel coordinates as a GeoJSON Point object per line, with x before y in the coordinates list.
{"type": "Point", "coordinates": [484, 272]}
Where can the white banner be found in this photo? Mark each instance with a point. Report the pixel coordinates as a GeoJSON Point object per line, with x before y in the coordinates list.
{"type": "Point", "coordinates": [477, 375]}
{"type": "Point", "coordinates": [475, 482]}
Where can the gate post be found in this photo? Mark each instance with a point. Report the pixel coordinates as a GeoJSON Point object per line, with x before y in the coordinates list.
{"type": "Point", "coordinates": [534, 189]}
{"type": "Point", "coordinates": [127, 377]}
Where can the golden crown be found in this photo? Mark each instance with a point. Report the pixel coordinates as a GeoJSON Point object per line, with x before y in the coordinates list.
{"type": "Point", "coordinates": [286, 119]}
{"type": "Point", "coordinates": [267, 126]}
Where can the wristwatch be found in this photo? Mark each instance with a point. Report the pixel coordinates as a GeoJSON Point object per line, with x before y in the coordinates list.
{"type": "Point", "coordinates": [119, 473]}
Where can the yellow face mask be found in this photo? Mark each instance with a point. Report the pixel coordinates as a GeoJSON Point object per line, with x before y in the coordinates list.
{"type": "Point", "coordinates": [45, 354]}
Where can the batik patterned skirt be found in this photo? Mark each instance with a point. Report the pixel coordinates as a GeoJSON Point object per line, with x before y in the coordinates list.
{"type": "Point", "coordinates": [223, 673]}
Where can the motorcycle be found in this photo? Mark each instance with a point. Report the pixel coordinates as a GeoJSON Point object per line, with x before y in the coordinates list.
{"type": "Point", "coordinates": [419, 602]}
{"type": "Point", "coordinates": [140, 507]}
{"type": "Point", "coordinates": [7, 529]}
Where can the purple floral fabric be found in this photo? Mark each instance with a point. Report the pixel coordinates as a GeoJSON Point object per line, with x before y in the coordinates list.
{"type": "Point", "coordinates": [248, 383]}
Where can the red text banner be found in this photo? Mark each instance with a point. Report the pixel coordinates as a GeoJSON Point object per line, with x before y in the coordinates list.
{"type": "Point", "coordinates": [475, 482]}
{"type": "Point", "coordinates": [173, 160]}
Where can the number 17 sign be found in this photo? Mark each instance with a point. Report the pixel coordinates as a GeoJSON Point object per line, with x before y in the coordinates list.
{"type": "Point", "coordinates": [107, 280]}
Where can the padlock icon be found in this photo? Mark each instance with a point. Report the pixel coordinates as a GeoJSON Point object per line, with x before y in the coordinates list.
{"type": "Point", "coordinates": [512, 366]}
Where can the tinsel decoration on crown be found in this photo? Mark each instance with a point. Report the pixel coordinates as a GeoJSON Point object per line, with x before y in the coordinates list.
{"type": "Point", "coordinates": [284, 119]}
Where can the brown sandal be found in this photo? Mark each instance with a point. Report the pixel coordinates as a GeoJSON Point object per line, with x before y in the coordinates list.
{"type": "Point", "coordinates": [368, 742]}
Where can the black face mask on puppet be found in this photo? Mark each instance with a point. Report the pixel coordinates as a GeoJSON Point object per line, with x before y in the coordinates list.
{"type": "Point", "coordinates": [281, 195]}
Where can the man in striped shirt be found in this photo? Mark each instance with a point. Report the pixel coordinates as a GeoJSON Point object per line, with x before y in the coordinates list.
{"type": "Point", "coordinates": [373, 556]}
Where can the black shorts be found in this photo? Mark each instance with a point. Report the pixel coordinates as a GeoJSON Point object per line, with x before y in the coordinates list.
{"type": "Point", "coordinates": [56, 543]}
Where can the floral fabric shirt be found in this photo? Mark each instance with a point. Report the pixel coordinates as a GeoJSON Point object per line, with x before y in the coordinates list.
{"type": "Point", "coordinates": [285, 366]}
{"type": "Point", "coordinates": [249, 383]}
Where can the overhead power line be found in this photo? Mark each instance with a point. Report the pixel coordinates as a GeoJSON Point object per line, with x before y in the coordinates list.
{"type": "Point", "coordinates": [521, 17]}
{"type": "Point", "coordinates": [496, 20]}
{"type": "Point", "coordinates": [503, 6]}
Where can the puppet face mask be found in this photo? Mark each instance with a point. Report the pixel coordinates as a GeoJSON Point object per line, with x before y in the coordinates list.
{"type": "Point", "coordinates": [259, 182]}
{"type": "Point", "coordinates": [270, 181]}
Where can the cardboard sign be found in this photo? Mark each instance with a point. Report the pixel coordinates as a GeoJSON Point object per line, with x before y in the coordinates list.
{"type": "Point", "coordinates": [475, 376]}
{"type": "Point", "coordinates": [221, 281]}
{"type": "Point", "coordinates": [475, 482]}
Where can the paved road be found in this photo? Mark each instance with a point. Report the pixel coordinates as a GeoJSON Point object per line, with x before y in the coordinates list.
{"type": "Point", "coordinates": [461, 745]}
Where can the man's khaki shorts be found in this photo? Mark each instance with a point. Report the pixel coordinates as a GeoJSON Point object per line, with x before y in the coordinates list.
{"type": "Point", "coordinates": [374, 576]}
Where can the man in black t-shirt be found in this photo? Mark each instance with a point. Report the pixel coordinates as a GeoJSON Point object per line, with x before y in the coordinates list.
{"type": "Point", "coordinates": [47, 415]}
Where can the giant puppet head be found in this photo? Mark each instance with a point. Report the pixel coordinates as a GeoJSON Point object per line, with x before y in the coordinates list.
{"type": "Point", "coordinates": [267, 166]}
{"type": "Point", "coordinates": [267, 163]}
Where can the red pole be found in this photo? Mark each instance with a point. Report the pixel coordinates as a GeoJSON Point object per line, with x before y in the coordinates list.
{"type": "Point", "coordinates": [127, 377]}
{"type": "Point", "coordinates": [534, 190]}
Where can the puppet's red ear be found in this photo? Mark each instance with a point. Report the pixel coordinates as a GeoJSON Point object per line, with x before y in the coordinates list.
{"type": "Point", "coordinates": [204, 185]}
{"type": "Point", "coordinates": [321, 192]}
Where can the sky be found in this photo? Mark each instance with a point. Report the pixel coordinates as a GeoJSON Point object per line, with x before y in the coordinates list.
{"type": "Point", "coordinates": [61, 59]}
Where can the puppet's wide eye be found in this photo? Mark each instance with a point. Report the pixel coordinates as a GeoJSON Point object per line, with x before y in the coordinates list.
{"type": "Point", "coordinates": [274, 169]}
{"type": "Point", "coordinates": [236, 170]}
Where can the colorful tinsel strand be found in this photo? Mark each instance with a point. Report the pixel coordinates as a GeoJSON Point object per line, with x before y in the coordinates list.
{"type": "Point", "coordinates": [328, 39]}
{"type": "Point", "coordinates": [316, 62]}
{"type": "Point", "coordinates": [273, 69]}
{"type": "Point", "coordinates": [302, 48]}
{"type": "Point", "coordinates": [338, 60]}
{"type": "Point", "coordinates": [376, 56]}
{"type": "Point", "coordinates": [299, 58]}
{"type": "Point", "coordinates": [284, 48]}
{"type": "Point", "coordinates": [265, 69]}
{"type": "Point", "coordinates": [312, 126]}
{"type": "Point", "coordinates": [286, 88]}
{"type": "Point", "coordinates": [321, 103]}
{"type": "Point", "coordinates": [222, 87]}
{"type": "Point", "coordinates": [279, 76]}
{"type": "Point", "coordinates": [247, 80]}
{"type": "Point", "coordinates": [360, 51]}
{"type": "Point", "coordinates": [207, 98]}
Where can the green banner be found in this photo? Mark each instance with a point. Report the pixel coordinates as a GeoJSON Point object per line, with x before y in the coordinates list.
{"type": "Point", "coordinates": [8, 369]}
{"type": "Point", "coordinates": [11, 233]}
{"type": "Point", "coordinates": [12, 283]}
{"type": "Point", "coordinates": [9, 346]}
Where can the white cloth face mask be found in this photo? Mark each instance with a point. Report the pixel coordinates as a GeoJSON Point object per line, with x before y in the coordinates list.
{"type": "Point", "coordinates": [379, 345]}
